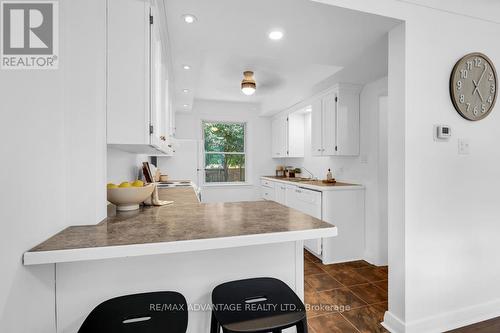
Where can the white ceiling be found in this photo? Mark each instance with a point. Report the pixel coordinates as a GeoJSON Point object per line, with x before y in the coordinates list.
{"type": "Point", "coordinates": [471, 8]}
{"type": "Point", "coordinates": [230, 36]}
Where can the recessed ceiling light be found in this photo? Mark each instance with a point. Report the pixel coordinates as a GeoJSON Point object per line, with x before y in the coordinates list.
{"type": "Point", "coordinates": [185, 91]}
{"type": "Point", "coordinates": [188, 18]}
{"type": "Point", "coordinates": [276, 35]}
{"type": "Point", "coordinates": [186, 105]}
{"type": "Point", "coordinates": [186, 67]}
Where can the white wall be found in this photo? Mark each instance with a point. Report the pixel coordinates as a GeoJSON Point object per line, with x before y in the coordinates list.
{"type": "Point", "coordinates": [259, 161]}
{"type": "Point", "coordinates": [449, 222]}
{"type": "Point", "coordinates": [53, 158]}
{"type": "Point", "coordinates": [362, 169]}
{"type": "Point", "coordinates": [123, 166]}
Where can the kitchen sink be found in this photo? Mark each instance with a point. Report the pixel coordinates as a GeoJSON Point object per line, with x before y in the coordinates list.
{"type": "Point", "coordinates": [298, 180]}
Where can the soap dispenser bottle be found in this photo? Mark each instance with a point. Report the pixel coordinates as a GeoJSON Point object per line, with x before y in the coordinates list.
{"type": "Point", "coordinates": [329, 175]}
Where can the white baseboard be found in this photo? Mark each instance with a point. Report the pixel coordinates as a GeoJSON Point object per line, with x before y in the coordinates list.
{"type": "Point", "coordinates": [393, 324]}
{"type": "Point", "coordinates": [340, 260]}
{"type": "Point", "coordinates": [375, 260]}
{"type": "Point", "coordinates": [445, 321]}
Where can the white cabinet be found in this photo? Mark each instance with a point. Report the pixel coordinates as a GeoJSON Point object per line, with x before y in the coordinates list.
{"type": "Point", "coordinates": [335, 122]}
{"type": "Point", "coordinates": [267, 189]}
{"type": "Point", "coordinates": [290, 195]}
{"type": "Point", "coordinates": [310, 202]}
{"type": "Point", "coordinates": [267, 193]}
{"type": "Point", "coordinates": [275, 191]}
{"type": "Point", "coordinates": [344, 208]}
{"type": "Point", "coordinates": [288, 135]}
{"type": "Point", "coordinates": [279, 134]}
{"type": "Point", "coordinates": [137, 87]}
{"type": "Point", "coordinates": [280, 193]}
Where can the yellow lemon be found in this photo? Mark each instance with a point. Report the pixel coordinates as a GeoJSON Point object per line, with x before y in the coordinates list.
{"type": "Point", "coordinates": [125, 184]}
{"type": "Point", "coordinates": [111, 185]}
{"type": "Point", "coordinates": [138, 183]}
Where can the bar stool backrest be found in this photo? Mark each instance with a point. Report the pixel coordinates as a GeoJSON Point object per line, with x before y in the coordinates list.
{"type": "Point", "coordinates": [155, 312]}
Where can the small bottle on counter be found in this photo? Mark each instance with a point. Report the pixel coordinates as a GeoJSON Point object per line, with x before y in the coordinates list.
{"type": "Point", "coordinates": [329, 175]}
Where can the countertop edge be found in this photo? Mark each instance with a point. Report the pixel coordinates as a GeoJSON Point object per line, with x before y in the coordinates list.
{"type": "Point", "coordinates": [317, 188]}
{"type": "Point", "coordinates": [134, 250]}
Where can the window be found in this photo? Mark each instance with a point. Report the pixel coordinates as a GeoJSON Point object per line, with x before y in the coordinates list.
{"type": "Point", "coordinates": [224, 152]}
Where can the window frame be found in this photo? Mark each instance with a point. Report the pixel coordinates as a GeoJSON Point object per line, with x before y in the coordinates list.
{"type": "Point", "coordinates": [244, 153]}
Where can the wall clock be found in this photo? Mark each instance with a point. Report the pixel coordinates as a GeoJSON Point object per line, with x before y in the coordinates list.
{"type": "Point", "coordinates": [473, 86]}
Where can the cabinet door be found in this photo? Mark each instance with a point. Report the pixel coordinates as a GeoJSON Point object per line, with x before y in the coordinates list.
{"type": "Point", "coordinates": [348, 124]}
{"type": "Point", "coordinates": [279, 133]}
{"type": "Point", "coordinates": [291, 196]}
{"type": "Point", "coordinates": [316, 128]}
{"type": "Point", "coordinates": [280, 193]}
{"type": "Point", "coordinates": [295, 135]}
{"type": "Point", "coordinates": [128, 94]}
{"type": "Point", "coordinates": [158, 111]}
{"type": "Point", "coordinates": [329, 126]}
{"type": "Point", "coordinates": [309, 202]}
{"type": "Point", "coordinates": [267, 193]}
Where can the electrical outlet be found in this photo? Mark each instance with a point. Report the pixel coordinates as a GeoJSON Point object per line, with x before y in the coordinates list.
{"type": "Point", "coordinates": [463, 147]}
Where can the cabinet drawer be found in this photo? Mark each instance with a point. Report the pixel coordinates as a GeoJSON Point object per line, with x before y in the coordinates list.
{"type": "Point", "coordinates": [267, 183]}
{"type": "Point", "coordinates": [267, 193]}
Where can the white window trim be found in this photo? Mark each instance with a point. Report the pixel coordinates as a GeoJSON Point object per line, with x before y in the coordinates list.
{"type": "Point", "coordinates": [224, 184]}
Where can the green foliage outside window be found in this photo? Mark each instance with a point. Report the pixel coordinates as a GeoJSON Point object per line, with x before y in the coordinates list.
{"type": "Point", "coordinates": [224, 152]}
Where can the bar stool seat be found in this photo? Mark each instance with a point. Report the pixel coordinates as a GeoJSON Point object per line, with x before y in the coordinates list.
{"type": "Point", "coordinates": [257, 305]}
{"type": "Point", "coordinates": [155, 312]}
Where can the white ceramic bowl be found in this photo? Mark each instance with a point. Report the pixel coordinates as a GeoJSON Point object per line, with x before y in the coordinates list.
{"type": "Point", "coordinates": [129, 198]}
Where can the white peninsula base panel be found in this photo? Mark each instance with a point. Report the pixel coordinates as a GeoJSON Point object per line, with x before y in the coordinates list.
{"type": "Point", "coordinates": [345, 209]}
{"type": "Point", "coordinates": [83, 285]}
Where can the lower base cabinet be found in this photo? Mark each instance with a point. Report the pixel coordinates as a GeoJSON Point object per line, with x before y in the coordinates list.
{"type": "Point", "coordinates": [344, 208]}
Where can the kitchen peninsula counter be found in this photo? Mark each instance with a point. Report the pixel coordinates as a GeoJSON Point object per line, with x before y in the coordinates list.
{"type": "Point", "coordinates": [188, 246]}
{"type": "Point", "coordinates": [185, 225]}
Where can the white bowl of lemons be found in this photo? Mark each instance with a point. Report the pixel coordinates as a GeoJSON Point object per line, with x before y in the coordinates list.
{"type": "Point", "coordinates": [129, 195]}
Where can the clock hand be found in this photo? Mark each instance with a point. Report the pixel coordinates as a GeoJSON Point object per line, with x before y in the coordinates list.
{"type": "Point", "coordinates": [478, 82]}
{"type": "Point", "coordinates": [477, 89]}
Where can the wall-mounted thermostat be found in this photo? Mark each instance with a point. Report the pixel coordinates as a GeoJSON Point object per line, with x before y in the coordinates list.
{"type": "Point", "coordinates": [443, 132]}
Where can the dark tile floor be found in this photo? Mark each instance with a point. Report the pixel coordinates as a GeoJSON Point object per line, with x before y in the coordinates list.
{"type": "Point", "coordinates": [347, 297]}
{"type": "Point", "coordinates": [352, 297]}
{"type": "Point", "coordinates": [488, 326]}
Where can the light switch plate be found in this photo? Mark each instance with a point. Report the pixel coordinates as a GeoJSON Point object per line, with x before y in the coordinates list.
{"type": "Point", "coordinates": [463, 147]}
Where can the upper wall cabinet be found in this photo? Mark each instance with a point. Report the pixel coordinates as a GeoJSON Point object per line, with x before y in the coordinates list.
{"type": "Point", "coordinates": [279, 132]}
{"type": "Point", "coordinates": [335, 122]}
{"type": "Point", "coordinates": [138, 113]}
{"type": "Point", "coordinates": [288, 135]}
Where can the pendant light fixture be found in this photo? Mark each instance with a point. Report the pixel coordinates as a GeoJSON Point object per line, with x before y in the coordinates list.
{"type": "Point", "coordinates": [248, 85]}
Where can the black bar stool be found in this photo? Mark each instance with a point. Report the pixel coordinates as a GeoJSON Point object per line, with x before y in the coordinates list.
{"type": "Point", "coordinates": [139, 313]}
{"type": "Point", "coordinates": [258, 305]}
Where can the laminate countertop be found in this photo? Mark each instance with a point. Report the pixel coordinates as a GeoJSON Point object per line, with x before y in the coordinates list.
{"type": "Point", "coordinates": [186, 225]}
{"type": "Point", "coordinates": [317, 185]}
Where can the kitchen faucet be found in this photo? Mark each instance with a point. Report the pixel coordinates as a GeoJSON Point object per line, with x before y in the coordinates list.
{"type": "Point", "coordinates": [309, 172]}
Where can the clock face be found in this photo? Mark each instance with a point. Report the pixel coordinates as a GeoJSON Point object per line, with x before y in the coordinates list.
{"type": "Point", "coordinates": [473, 86]}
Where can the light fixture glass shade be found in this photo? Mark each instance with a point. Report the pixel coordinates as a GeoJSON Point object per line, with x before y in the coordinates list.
{"type": "Point", "coordinates": [248, 85]}
{"type": "Point", "coordinates": [248, 90]}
